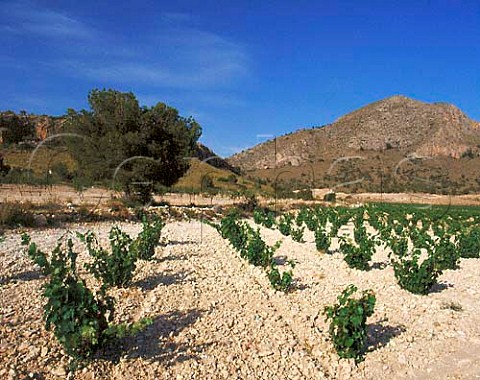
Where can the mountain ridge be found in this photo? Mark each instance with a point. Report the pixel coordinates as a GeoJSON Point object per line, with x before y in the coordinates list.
{"type": "Point", "coordinates": [397, 122]}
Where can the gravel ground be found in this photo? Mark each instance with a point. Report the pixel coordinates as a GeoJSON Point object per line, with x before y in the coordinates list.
{"type": "Point", "coordinates": [216, 316]}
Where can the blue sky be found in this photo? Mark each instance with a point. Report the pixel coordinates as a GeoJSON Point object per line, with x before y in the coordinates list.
{"type": "Point", "coordinates": [243, 69]}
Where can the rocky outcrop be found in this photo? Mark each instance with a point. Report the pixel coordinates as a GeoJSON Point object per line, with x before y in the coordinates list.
{"type": "Point", "coordinates": [46, 126]}
{"type": "Point", "coordinates": [205, 154]}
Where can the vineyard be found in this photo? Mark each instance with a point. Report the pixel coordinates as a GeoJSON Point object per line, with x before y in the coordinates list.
{"type": "Point", "coordinates": [369, 292]}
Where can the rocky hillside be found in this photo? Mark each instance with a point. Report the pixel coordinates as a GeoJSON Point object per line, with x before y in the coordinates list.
{"type": "Point", "coordinates": [384, 137]}
{"type": "Point", "coordinates": [396, 123]}
{"type": "Point", "coordinates": [205, 154]}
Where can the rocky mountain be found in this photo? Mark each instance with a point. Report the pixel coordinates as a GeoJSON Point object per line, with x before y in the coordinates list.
{"type": "Point", "coordinates": [396, 123]}
{"type": "Point", "coordinates": [388, 130]}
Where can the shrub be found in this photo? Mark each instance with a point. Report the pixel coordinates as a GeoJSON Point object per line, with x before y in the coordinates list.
{"type": "Point", "coordinates": [257, 252]}
{"type": "Point", "coordinates": [249, 243]}
{"type": "Point", "coordinates": [302, 216]}
{"type": "Point", "coordinates": [264, 217]}
{"type": "Point", "coordinates": [446, 255]}
{"type": "Point", "coordinates": [250, 202]}
{"type": "Point", "coordinates": [139, 192]}
{"type": "Point", "coordinates": [279, 281]}
{"type": "Point", "coordinates": [330, 197]}
{"type": "Point", "coordinates": [285, 224]}
{"type": "Point", "coordinates": [415, 277]}
{"type": "Point", "coordinates": [357, 257]}
{"type": "Point", "coordinates": [144, 245]}
{"type": "Point", "coordinates": [399, 246]}
{"type": "Point", "coordinates": [297, 234]}
{"type": "Point", "coordinates": [79, 317]}
{"type": "Point", "coordinates": [322, 240]}
{"type": "Point", "coordinates": [61, 170]}
{"type": "Point", "coordinates": [348, 322]}
{"type": "Point", "coordinates": [468, 244]}
{"type": "Point", "coordinates": [311, 220]}
{"type": "Point", "coordinates": [232, 178]}
{"type": "Point", "coordinates": [338, 218]}
{"type": "Point", "coordinates": [113, 268]}
{"type": "Point", "coordinates": [235, 232]}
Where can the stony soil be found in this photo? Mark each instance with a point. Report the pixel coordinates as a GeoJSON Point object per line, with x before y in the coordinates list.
{"type": "Point", "coordinates": [216, 316]}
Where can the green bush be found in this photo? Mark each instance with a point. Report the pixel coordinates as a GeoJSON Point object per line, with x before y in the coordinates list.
{"type": "Point", "coordinates": [348, 322]}
{"type": "Point", "coordinates": [416, 277]}
{"type": "Point", "coordinates": [330, 197]}
{"type": "Point", "coordinates": [264, 217]}
{"type": "Point", "coordinates": [297, 234]}
{"type": "Point", "coordinates": [446, 255]}
{"type": "Point", "coordinates": [302, 216]}
{"type": "Point", "coordinates": [257, 252]}
{"type": "Point", "coordinates": [282, 282]}
{"type": "Point", "coordinates": [249, 243]}
{"type": "Point", "coordinates": [144, 245]}
{"type": "Point", "coordinates": [113, 268]}
{"type": "Point", "coordinates": [312, 221]}
{"type": "Point", "coordinates": [230, 228]}
{"type": "Point", "coordinates": [285, 224]}
{"type": "Point", "coordinates": [468, 244]}
{"type": "Point", "coordinates": [79, 317]}
{"type": "Point", "coordinates": [358, 257]}
{"type": "Point", "coordinates": [399, 246]}
{"type": "Point", "coordinates": [322, 240]}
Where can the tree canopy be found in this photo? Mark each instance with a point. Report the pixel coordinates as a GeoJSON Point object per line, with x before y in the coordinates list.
{"type": "Point", "coordinates": [119, 141]}
{"type": "Point", "coordinates": [15, 128]}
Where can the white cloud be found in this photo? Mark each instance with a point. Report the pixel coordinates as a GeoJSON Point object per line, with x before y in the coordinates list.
{"type": "Point", "coordinates": [26, 18]}
{"type": "Point", "coordinates": [182, 58]}
{"type": "Point", "coordinates": [174, 56]}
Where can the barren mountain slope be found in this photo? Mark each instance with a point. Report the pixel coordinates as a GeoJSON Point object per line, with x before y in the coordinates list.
{"type": "Point", "coordinates": [398, 123]}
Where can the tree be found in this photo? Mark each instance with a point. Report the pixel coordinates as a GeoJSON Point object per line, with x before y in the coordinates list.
{"type": "Point", "coordinates": [132, 147]}
{"type": "Point", "coordinates": [15, 128]}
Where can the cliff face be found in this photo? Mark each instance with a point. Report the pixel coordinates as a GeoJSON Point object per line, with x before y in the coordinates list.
{"type": "Point", "coordinates": [396, 124]}
{"type": "Point", "coordinates": [46, 126]}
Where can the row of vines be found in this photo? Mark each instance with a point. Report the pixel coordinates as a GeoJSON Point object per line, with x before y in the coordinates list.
{"type": "Point", "coordinates": [81, 316]}
{"type": "Point", "coordinates": [421, 245]}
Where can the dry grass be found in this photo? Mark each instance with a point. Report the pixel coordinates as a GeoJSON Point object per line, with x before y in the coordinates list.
{"type": "Point", "coordinates": [41, 161]}
{"type": "Point", "coordinates": [199, 170]}
{"type": "Point", "coordinates": [14, 214]}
